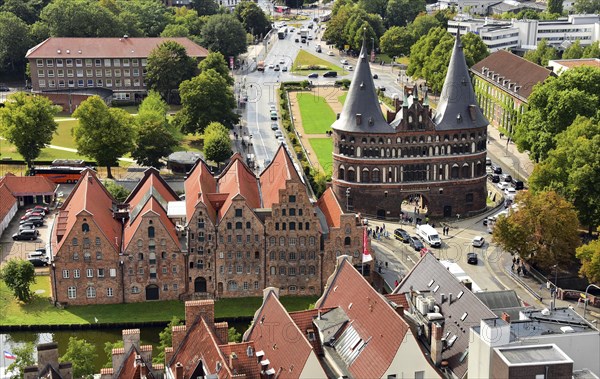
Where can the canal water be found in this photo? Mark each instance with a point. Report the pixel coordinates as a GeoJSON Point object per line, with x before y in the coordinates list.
{"type": "Point", "coordinates": [97, 337]}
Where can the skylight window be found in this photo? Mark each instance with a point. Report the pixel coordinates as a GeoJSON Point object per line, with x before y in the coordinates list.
{"type": "Point", "coordinates": [436, 288]}
{"type": "Point", "coordinates": [459, 294]}
{"type": "Point", "coordinates": [464, 316]}
{"type": "Point", "coordinates": [430, 283]}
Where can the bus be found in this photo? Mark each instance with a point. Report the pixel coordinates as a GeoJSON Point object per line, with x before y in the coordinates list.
{"type": "Point", "coordinates": [282, 32]}
{"type": "Point", "coordinates": [62, 171]}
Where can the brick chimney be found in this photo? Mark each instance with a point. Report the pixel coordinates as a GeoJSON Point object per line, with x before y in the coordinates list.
{"type": "Point", "coordinates": [177, 335]}
{"type": "Point", "coordinates": [506, 317]}
{"type": "Point", "coordinates": [48, 354]}
{"type": "Point", "coordinates": [437, 331]}
{"type": "Point", "coordinates": [178, 371]}
{"type": "Point", "coordinates": [206, 308]}
{"type": "Point", "coordinates": [168, 354]}
{"type": "Point", "coordinates": [131, 337]}
{"type": "Point", "coordinates": [221, 331]}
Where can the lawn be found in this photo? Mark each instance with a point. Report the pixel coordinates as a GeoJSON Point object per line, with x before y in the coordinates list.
{"type": "Point", "coordinates": [41, 312]}
{"type": "Point", "coordinates": [63, 136]}
{"type": "Point", "coordinates": [323, 147]}
{"type": "Point", "coordinates": [7, 150]}
{"type": "Point", "coordinates": [305, 59]}
{"type": "Point", "coordinates": [342, 99]}
{"type": "Point", "coordinates": [317, 115]}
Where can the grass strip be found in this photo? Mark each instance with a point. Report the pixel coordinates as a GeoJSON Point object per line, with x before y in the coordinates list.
{"type": "Point", "coordinates": [317, 115]}
{"type": "Point", "coordinates": [323, 147]}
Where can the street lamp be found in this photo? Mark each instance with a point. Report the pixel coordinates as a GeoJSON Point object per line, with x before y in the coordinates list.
{"type": "Point", "coordinates": [347, 198]}
{"type": "Point", "coordinates": [555, 267]}
{"type": "Point", "coordinates": [585, 301]}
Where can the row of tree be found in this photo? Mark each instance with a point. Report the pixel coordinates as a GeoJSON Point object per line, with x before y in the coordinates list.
{"type": "Point", "coordinates": [213, 27]}
{"type": "Point", "coordinates": [545, 53]}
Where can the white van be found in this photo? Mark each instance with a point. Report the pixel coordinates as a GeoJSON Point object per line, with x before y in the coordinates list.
{"type": "Point", "coordinates": [429, 235]}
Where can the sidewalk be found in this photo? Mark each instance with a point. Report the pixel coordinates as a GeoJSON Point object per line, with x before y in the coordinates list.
{"type": "Point", "coordinates": [506, 153]}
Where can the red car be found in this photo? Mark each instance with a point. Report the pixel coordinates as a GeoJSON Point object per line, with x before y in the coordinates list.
{"type": "Point", "coordinates": [425, 251]}
{"type": "Point", "coordinates": [28, 215]}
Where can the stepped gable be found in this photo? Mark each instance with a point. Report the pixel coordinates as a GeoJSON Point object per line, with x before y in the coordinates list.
{"type": "Point", "coordinates": [331, 208]}
{"type": "Point", "coordinates": [275, 175]}
{"type": "Point", "coordinates": [458, 108]}
{"type": "Point", "coordinates": [152, 205]}
{"type": "Point", "coordinates": [237, 178]}
{"type": "Point", "coordinates": [90, 197]}
{"type": "Point", "coordinates": [199, 183]}
{"type": "Point", "coordinates": [375, 321]}
{"type": "Point", "coordinates": [361, 112]}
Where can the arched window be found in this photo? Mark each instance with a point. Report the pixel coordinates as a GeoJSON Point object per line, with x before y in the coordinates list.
{"type": "Point", "coordinates": [311, 270]}
{"type": "Point", "coordinates": [465, 172]}
{"type": "Point", "coordinates": [90, 292]}
{"type": "Point", "coordinates": [229, 225]}
{"type": "Point", "coordinates": [272, 241]}
{"type": "Point", "coordinates": [347, 241]}
{"type": "Point", "coordinates": [75, 242]}
{"type": "Point", "coordinates": [311, 240]}
{"type": "Point", "coordinates": [351, 175]}
{"type": "Point", "coordinates": [281, 241]}
{"type": "Point", "coordinates": [282, 255]}
{"type": "Point", "coordinates": [85, 227]}
{"type": "Point", "coordinates": [307, 226]}
{"type": "Point", "coordinates": [375, 176]}
{"type": "Point", "coordinates": [163, 255]}
{"type": "Point", "coordinates": [232, 285]}
{"type": "Point", "coordinates": [341, 175]}
{"type": "Point", "coordinates": [151, 232]}
{"type": "Point", "coordinates": [365, 176]}
{"type": "Point", "coordinates": [273, 270]}
{"type": "Point", "coordinates": [238, 225]}
{"type": "Point", "coordinates": [282, 270]}
{"type": "Point", "coordinates": [272, 255]}
{"type": "Point", "coordinates": [454, 172]}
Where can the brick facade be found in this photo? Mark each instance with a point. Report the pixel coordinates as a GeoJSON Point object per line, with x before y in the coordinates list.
{"type": "Point", "coordinates": [202, 247]}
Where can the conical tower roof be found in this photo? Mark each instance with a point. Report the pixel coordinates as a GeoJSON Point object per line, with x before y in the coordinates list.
{"type": "Point", "coordinates": [361, 111]}
{"type": "Point", "coordinates": [458, 108]}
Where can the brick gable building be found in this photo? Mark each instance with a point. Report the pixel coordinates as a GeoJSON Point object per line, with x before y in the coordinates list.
{"type": "Point", "coordinates": [414, 153]}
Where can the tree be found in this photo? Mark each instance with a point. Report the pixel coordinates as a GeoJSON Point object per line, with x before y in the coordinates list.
{"type": "Point", "coordinates": [474, 48]}
{"type": "Point", "coordinates": [543, 231]}
{"type": "Point", "coordinates": [253, 18]}
{"type": "Point", "coordinates": [118, 192]}
{"type": "Point", "coordinates": [422, 25]}
{"type": "Point", "coordinates": [542, 54]}
{"type": "Point", "coordinates": [217, 144]}
{"type": "Point", "coordinates": [589, 255]}
{"type": "Point", "coordinates": [572, 169]}
{"type": "Point", "coordinates": [19, 275]}
{"type": "Point", "coordinates": [175, 30]}
{"type": "Point", "coordinates": [165, 340]}
{"type": "Point", "coordinates": [103, 133]}
{"type": "Point", "coordinates": [420, 51]}
{"type": "Point", "coordinates": [26, 10]}
{"type": "Point", "coordinates": [402, 12]}
{"type": "Point", "coordinates": [82, 355]}
{"type": "Point", "coordinates": [205, 7]}
{"type": "Point", "coordinates": [13, 50]}
{"type": "Point", "coordinates": [81, 18]}
{"type": "Point", "coordinates": [396, 41]}
{"type": "Point", "coordinates": [204, 99]}
{"type": "Point", "coordinates": [224, 33]}
{"type": "Point", "coordinates": [25, 358]}
{"type": "Point", "coordinates": [554, 105]}
{"type": "Point", "coordinates": [27, 122]}
{"type": "Point", "coordinates": [216, 61]}
{"type": "Point", "coordinates": [377, 7]}
{"type": "Point", "coordinates": [153, 139]}
{"type": "Point", "coordinates": [233, 335]}
{"type": "Point", "coordinates": [334, 34]}
{"type": "Point", "coordinates": [592, 51]}
{"type": "Point", "coordinates": [144, 18]}
{"type": "Point", "coordinates": [108, 348]}
{"type": "Point", "coordinates": [586, 6]}
{"type": "Point", "coordinates": [168, 66]}
{"type": "Point", "coordinates": [575, 51]}
{"type": "Point", "coordinates": [190, 19]}
{"type": "Point", "coordinates": [555, 6]}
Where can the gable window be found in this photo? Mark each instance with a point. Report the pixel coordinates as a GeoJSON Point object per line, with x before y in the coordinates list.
{"type": "Point", "coordinates": [292, 198]}
{"type": "Point", "coordinates": [151, 232]}
{"type": "Point", "coordinates": [238, 213]}
{"type": "Point", "coordinates": [238, 225]}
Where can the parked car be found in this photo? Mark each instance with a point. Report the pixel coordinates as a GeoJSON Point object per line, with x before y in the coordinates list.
{"type": "Point", "coordinates": [37, 253]}
{"type": "Point", "coordinates": [32, 214]}
{"type": "Point", "coordinates": [488, 161]}
{"type": "Point", "coordinates": [330, 74]}
{"type": "Point", "coordinates": [303, 40]}
{"type": "Point", "coordinates": [478, 241]}
{"type": "Point", "coordinates": [330, 53]}
{"type": "Point", "coordinates": [277, 68]}
{"type": "Point", "coordinates": [349, 68]}
{"type": "Point", "coordinates": [271, 65]}
{"type": "Point", "coordinates": [344, 61]}
{"type": "Point", "coordinates": [296, 40]}
{"type": "Point", "coordinates": [24, 235]}
{"type": "Point", "coordinates": [472, 258]}
{"type": "Point", "coordinates": [495, 178]}
{"type": "Point", "coordinates": [274, 126]}
{"type": "Point", "coordinates": [43, 207]}
{"type": "Point", "coordinates": [416, 243]}
{"type": "Point", "coordinates": [273, 115]}
{"type": "Point", "coordinates": [35, 221]}
{"type": "Point", "coordinates": [278, 133]}
{"type": "Point", "coordinates": [282, 61]}
{"type": "Point", "coordinates": [38, 261]}
{"type": "Point", "coordinates": [510, 193]}
{"type": "Point", "coordinates": [284, 68]}
{"type": "Point", "coordinates": [313, 75]}
{"type": "Point", "coordinates": [4, 88]}
{"type": "Point", "coordinates": [27, 225]}
{"type": "Point", "coordinates": [375, 76]}
{"type": "Point", "coordinates": [497, 169]}
{"type": "Point", "coordinates": [401, 235]}
{"type": "Point", "coordinates": [503, 185]}
{"type": "Point", "coordinates": [34, 211]}
{"type": "Point", "coordinates": [425, 251]}
{"type": "Point", "coordinates": [506, 178]}
{"type": "Point", "coordinates": [382, 89]}
{"type": "Point", "coordinates": [272, 107]}
{"type": "Point", "coordinates": [519, 185]}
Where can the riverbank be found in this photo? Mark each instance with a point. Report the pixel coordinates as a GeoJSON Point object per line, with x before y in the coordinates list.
{"type": "Point", "coordinates": [41, 314]}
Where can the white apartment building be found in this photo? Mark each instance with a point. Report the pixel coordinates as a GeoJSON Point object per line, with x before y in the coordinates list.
{"type": "Point", "coordinates": [526, 34]}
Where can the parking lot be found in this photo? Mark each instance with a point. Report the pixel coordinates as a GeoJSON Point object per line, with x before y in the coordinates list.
{"type": "Point", "coordinates": [10, 249]}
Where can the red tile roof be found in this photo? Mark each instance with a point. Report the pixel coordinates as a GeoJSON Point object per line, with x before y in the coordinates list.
{"type": "Point", "coordinates": [112, 47]}
{"type": "Point", "coordinates": [130, 370]}
{"type": "Point", "coordinates": [200, 344]}
{"type": "Point", "coordinates": [238, 360]}
{"type": "Point", "coordinates": [151, 206]}
{"type": "Point", "coordinates": [28, 185]}
{"type": "Point", "coordinates": [89, 195]}
{"type": "Point", "coordinates": [570, 63]}
{"type": "Point", "coordinates": [238, 178]}
{"type": "Point", "coordinates": [304, 322]}
{"type": "Point", "coordinates": [371, 316]}
{"type": "Point", "coordinates": [150, 182]}
{"type": "Point", "coordinates": [199, 183]}
{"type": "Point", "coordinates": [514, 68]}
{"type": "Point", "coordinates": [398, 298]}
{"type": "Point", "coordinates": [7, 201]}
{"type": "Point", "coordinates": [275, 176]}
{"type": "Point", "coordinates": [275, 333]}
{"type": "Point", "coordinates": [331, 208]}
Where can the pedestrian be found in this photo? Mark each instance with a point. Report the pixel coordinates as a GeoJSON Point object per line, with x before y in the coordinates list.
{"type": "Point", "coordinates": [518, 260]}
{"type": "Point", "coordinates": [514, 260]}
{"type": "Point", "coordinates": [519, 270]}
{"type": "Point", "coordinates": [383, 227]}
{"type": "Point", "coordinates": [548, 285]}
{"type": "Point", "coordinates": [396, 283]}
{"type": "Point", "coordinates": [427, 220]}
{"type": "Point", "coordinates": [377, 229]}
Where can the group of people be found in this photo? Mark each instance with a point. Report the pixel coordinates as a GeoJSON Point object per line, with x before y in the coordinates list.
{"type": "Point", "coordinates": [378, 232]}
{"type": "Point", "coordinates": [518, 266]}
{"type": "Point", "coordinates": [445, 230]}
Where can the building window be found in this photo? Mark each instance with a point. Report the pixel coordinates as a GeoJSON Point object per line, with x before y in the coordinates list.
{"type": "Point", "coordinates": [112, 272]}
{"type": "Point", "coordinates": [117, 72]}
{"type": "Point", "coordinates": [97, 241]}
{"type": "Point", "coordinates": [125, 62]}
{"type": "Point", "coordinates": [238, 213]}
{"type": "Point", "coordinates": [292, 288]}
{"type": "Point", "coordinates": [101, 273]}
{"type": "Point", "coordinates": [88, 63]}
{"type": "Point", "coordinates": [152, 258]}
{"type": "Point", "coordinates": [165, 270]}
{"type": "Point", "coordinates": [50, 73]}
{"type": "Point", "coordinates": [246, 286]}
{"type": "Point", "coordinates": [165, 287]}
{"type": "Point", "coordinates": [292, 225]}
{"type": "Point", "coordinates": [107, 62]}
{"type": "Point", "coordinates": [42, 83]}
{"type": "Point", "coordinates": [135, 62]}
{"type": "Point", "coordinates": [256, 285]}
{"type": "Point", "coordinates": [292, 198]}
{"type": "Point", "coordinates": [273, 270]}
{"type": "Point", "coordinates": [311, 270]}
{"type": "Point", "coordinates": [109, 292]}
{"type": "Point", "coordinates": [232, 285]}
{"type": "Point", "coordinates": [229, 225]}
{"type": "Point", "coordinates": [135, 289]}
{"type": "Point", "coordinates": [49, 62]}
{"type": "Point", "coordinates": [72, 292]}
{"type": "Point", "coordinates": [65, 274]}
{"type": "Point", "coordinates": [140, 271]}
{"type": "Point", "coordinates": [174, 269]}
{"type": "Point", "coordinates": [76, 273]}
{"type": "Point", "coordinates": [281, 270]}
{"type": "Point", "coordinates": [90, 292]}
{"type": "Point", "coordinates": [75, 242]}
{"type": "Point", "coordinates": [238, 225]}
{"type": "Point", "coordinates": [90, 272]}
{"type": "Point", "coordinates": [239, 269]}
{"type": "Point", "coordinates": [78, 63]}
{"type": "Point", "coordinates": [98, 255]}
{"type": "Point", "coordinates": [292, 271]}
{"type": "Point", "coordinates": [116, 62]}
{"type": "Point", "coordinates": [39, 62]}
{"type": "Point", "coordinates": [151, 232]}
{"type": "Point", "coordinates": [152, 272]}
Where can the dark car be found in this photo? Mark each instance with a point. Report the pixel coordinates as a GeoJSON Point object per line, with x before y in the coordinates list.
{"type": "Point", "coordinates": [38, 261]}
{"type": "Point", "coordinates": [507, 178]}
{"type": "Point", "coordinates": [26, 235]}
{"type": "Point", "coordinates": [37, 253]}
{"type": "Point", "coordinates": [519, 185]}
{"type": "Point", "coordinates": [4, 88]}
{"type": "Point", "coordinates": [313, 75]}
{"type": "Point", "coordinates": [274, 126]}
{"type": "Point", "coordinates": [296, 40]}
{"type": "Point", "coordinates": [496, 169]}
{"type": "Point", "coordinates": [495, 178]}
{"type": "Point", "coordinates": [472, 258]}
{"type": "Point", "coordinates": [375, 76]}
{"type": "Point", "coordinates": [401, 235]}
{"type": "Point", "coordinates": [382, 89]}
{"type": "Point", "coordinates": [36, 220]}
{"type": "Point", "coordinates": [330, 74]}
{"type": "Point", "coordinates": [416, 243]}
{"type": "Point", "coordinates": [277, 68]}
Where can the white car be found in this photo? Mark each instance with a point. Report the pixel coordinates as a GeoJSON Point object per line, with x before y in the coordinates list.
{"type": "Point", "coordinates": [272, 108]}
{"type": "Point", "coordinates": [330, 53]}
{"type": "Point", "coordinates": [478, 241]}
{"type": "Point", "coordinates": [282, 61]}
{"type": "Point", "coordinates": [503, 185]}
{"type": "Point", "coordinates": [271, 65]}
{"type": "Point", "coordinates": [510, 193]}
{"type": "Point", "coordinates": [344, 61]}
{"type": "Point", "coordinates": [350, 68]}
{"type": "Point", "coordinates": [310, 37]}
